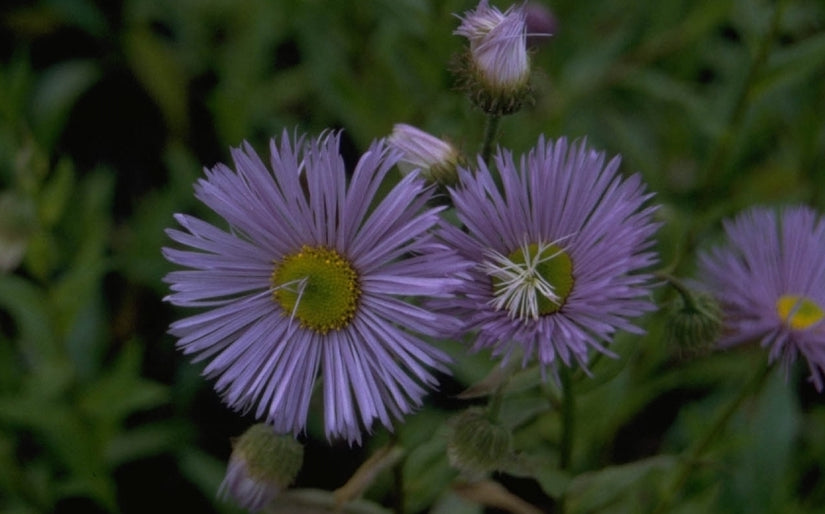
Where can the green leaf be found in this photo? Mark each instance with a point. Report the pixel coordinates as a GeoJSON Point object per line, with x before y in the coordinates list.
{"type": "Point", "coordinates": [162, 75]}
{"type": "Point", "coordinates": [56, 92]}
{"type": "Point", "coordinates": [121, 390]}
{"type": "Point", "coordinates": [790, 65]}
{"type": "Point", "coordinates": [765, 433]}
{"type": "Point", "coordinates": [83, 14]}
{"type": "Point", "coordinates": [542, 467]}
{"type": "Point", "coordinates": [56, 193]}
{"type": "Point", "coordinates": [204, 471]}
{"type": "Point", "coordinates": [597, 490]}
{"type": "Point", "coordinates": [145, 441]}
{"type": "Point", "coordinates": [28, 307]}
{"type": "Point", "coordinates": [451, 503]}
{"type": "Point", "coordinates": [426, 470]}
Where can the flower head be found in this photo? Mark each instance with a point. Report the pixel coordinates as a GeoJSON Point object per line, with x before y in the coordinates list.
{"type": "Point", "coordinates": [770, 282]}
{"type": "Point", "coordinates": [559, 253]}
{"type": "Point", "coordinates": [262, 464]}
{"type": "Point", "coordinates": [436, 158]}
{"type": "Point", "coordinates": [497, 68]}
{"type": "Point", "coordinates": [315, 276]}
{"type": "Point", "coordinates": [477, 445]}
{"type": "Point", "coordinates": [695, 323]}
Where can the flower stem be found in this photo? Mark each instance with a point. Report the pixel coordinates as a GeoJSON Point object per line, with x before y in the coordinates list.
{"type": "Point", "coordinates": [691, 459]}
{"type": "Point", "coordinates": [684, 291]}
{"type": "Point", "coordinates": [568, 407]}
{"type": "Point", "coordinates": [490, 132]}
{"type": "Point", "coordinates": [398, 499]}
{"type": "Point", "coordinates": [497, 398]}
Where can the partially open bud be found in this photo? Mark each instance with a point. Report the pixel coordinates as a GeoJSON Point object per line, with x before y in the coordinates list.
{"type": "Point", "coordinates": [695, 323]}
{"type": "Point", "coordinates": [261, 465]}
{"type": "Point", "coordinates": [477, 445]}
{"type": "Point", "coordinates": [437, 159]}
{"type": "Point", "coordinates": [496, 70]}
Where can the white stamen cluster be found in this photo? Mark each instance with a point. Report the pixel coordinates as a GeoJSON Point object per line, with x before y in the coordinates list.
{"type": "Point", "coordinates": [519, 283]}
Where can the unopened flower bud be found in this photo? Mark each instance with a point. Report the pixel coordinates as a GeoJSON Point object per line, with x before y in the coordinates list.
{"type": "Point", "coordinates": [496, 70]}
{"type": "Point", "coordinates": [695, 324]}
{"type": "Point", "coordinates": [477, 445]}
{"type": "Point", "coordinates": [436, 158]}
{"type": "Point", "coordinates": [262, 464]}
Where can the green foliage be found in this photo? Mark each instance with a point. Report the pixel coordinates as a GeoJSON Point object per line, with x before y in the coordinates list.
{"type": "Point", "coordinates": [718, 103]}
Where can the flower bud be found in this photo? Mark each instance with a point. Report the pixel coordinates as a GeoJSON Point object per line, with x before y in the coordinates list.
{"type": "Point", "coordinates": [478, 446]}
{"type": "Point", "coordinates": [436, 158]}
{"type": "Point", "coordinates": [695, 324]}
{"type": "Point", "coordinates": [496, 70]}
{"type": "Point", "coordinates": [261, 465]}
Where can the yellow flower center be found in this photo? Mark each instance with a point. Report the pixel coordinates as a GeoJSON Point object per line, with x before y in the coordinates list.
{"type": "Point", "coordinates": [798, 312]}
{"type": "Point", "coordinates": [318, 286]}
{"type": "Point", "coordinates": [534, 280]}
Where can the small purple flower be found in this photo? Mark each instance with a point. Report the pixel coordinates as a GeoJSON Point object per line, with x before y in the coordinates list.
{"type": "Point", "coordinates": [314, 276]}
{"type": "Point", "coordinates": [498, 64]}
{"type": "Point", "coordinates": [559, 253]}
{"type": "Point", "coordinates": [770, 282]}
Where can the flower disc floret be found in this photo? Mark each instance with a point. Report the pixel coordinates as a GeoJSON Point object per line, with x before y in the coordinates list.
{"type": "Point", "coordinates": [317, 286]}
{"type": "Point", "coordinates": [798, 312]}
{"type": "Point", "coordinates": [533, 280]}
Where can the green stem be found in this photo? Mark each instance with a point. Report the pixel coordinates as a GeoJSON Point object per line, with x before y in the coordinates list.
{"type": "Point", "coordinates": [684, 291]}
{"type": "Point", "coordinates": [490, 132]}
{"type": "Point", "coordinates": [691, 459]}
{"type": "Point", "coordinates": [496, 400]}
{"type": "Point", "coordinates": [398, 487]}
{"type": "Point", "coordinates": [398, 500]}
{"type": "Point", "coordinates": [568, 407]}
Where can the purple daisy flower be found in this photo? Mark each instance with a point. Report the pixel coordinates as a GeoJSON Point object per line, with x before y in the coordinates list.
{"type": "Point", "coordinates": [558, 253]}
{"type": "Point", "coordinates": [314, 277]}
{"type": "Point", "coordinates": [770, 283]}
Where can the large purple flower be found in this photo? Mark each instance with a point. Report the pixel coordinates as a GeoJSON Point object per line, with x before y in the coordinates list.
{"type": "Point", "coordinates": [314, 276]}
{"type": "Point", "coordinates": [770, 282]}
{"type": "Point", "coordinates": [559, 250]}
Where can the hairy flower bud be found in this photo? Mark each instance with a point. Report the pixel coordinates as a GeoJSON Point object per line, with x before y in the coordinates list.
{"type": "Point", "coordinates": [695, 325]}
{"type": "Point", "coordinates": [436, 158]}
{"type": "Point", "coordinates": [477, 445]}
{"type": "Point", "coordinates": [261, 465]}
{"type": "Point", "coordinates": [496, 70]}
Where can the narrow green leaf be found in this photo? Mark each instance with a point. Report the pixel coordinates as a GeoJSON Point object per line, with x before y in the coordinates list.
{"type": "Point", "coordinates": [56, 92]}
{"type": "Point", "coordinates": [145, 441]}
{"type": "Point", "coordinates": [597, 490]}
